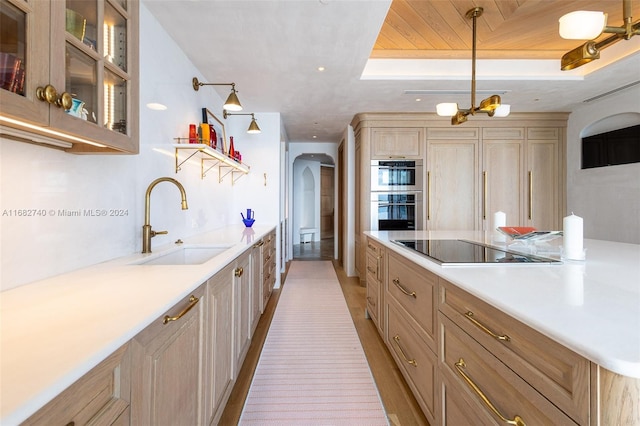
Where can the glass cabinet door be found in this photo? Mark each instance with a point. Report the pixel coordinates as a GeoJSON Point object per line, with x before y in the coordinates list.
{"type": "Point", "coordinates": [96, 64]}
{"type": "Point", "coordinates": [24, 58]}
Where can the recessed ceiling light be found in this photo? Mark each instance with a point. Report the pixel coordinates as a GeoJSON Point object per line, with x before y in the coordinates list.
{"type": "Point", "coordinates": [314, 136]}
{"type": "Point", "coordinates": [418, 99]}
{"type": "Point", "coordinates": [321, 69]}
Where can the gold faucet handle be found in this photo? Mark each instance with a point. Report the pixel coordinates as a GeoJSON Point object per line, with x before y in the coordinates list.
{"type": "Point", "coordinates": [154, 233]}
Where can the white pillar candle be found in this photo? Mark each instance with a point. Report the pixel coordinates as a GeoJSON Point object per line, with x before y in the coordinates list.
{"type": "Point", "coordinates": [572, 242]}
{"type": "Point", "coordinates": [499, 219]}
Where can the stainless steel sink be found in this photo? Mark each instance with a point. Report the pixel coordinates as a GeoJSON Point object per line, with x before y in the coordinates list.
{"type": "Point", "coordinates": [191, 255]}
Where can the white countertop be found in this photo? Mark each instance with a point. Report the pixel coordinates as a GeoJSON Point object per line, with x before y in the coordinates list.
{"type": "Point", "coordinates": [590, 306]}
{"type": "Point", "coordinates": [54, 331]}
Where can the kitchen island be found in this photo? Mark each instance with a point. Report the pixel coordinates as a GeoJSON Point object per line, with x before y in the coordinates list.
{"type": "Point", "coordinates": [590, 309]}
{"type": "Point", "coordinates": [56, 330]}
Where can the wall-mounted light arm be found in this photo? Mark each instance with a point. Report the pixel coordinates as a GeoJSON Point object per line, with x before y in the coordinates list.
{"type": "Point", "coordinates": [588, 25]}
{"type": "Point", "coordinates": [253, 126]}
{"type": "Point", "coordinates": [232, 103]}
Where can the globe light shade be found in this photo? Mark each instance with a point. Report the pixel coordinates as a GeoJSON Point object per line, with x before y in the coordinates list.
{"type": "Point", "coordinates": [502, 111]}
{"type": "Point", "coordinates": [447, 109]}
{"type": "Point", "coordinates": [582, 25]}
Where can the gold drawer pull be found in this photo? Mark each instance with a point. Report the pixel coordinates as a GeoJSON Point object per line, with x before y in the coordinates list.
{"type": "Point", "coordinates": [238, 272]}
{"type": "Point", "coordinates": [192, 302]}
{"type": "Point", "coordinates": [396, 281]}
{"type": "Point", "coordinates": [372, 247]}
{"type": "Point", "coordinates": [258, 244]}
{"type": "Point", "coordinates": [370, 299]}
{"type": "Point", "coordinates": [517, 420]}
{"type": "Point", "coordinates": [370, 269]}
{"type": "Point", "coordinates": [413, 362]}
{"type": "Point", "coordinates": [503, 338]}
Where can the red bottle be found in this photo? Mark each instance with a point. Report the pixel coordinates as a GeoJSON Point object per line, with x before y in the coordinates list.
{"type": "Point", "coordinates": [213, 142]}
{"type": "Point", "coordinates": [232, 151]}
{"type": "Point", "coordinates": [193, 134]}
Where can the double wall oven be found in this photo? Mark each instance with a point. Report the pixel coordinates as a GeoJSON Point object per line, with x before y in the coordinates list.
{"type": "Point", "coordinates": [396, 195]}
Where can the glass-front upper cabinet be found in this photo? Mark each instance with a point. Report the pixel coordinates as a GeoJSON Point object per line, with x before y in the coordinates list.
{"type": "Point", "coordinates": [90, 89]}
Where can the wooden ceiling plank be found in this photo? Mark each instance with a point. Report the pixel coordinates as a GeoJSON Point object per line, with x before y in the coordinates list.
{"type": "Point", "coordinates": [437, 27]}
{"type": "Point", "coordinates": [402, 20]}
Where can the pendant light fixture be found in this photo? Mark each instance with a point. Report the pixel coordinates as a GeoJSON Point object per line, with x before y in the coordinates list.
{"type": "Point", "coordinates": [232, 103]}
{"type": "Point", "coordinates": [588, 25]}
{"type": "Point", "coordinates": [253, 126]}
{"type": "Point", "coordinates": [491, 106]}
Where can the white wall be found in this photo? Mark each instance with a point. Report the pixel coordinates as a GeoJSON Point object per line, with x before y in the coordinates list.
{"type": "Point", "coordinates": [608, 198]}
{"type": "Point", "coordinates": [35, 177]}
{"type": "Point", "coordinates": [295, 150]}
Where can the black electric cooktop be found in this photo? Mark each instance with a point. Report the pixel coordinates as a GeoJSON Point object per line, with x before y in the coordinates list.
{"type": "Point", "coordinates": [462, 252]}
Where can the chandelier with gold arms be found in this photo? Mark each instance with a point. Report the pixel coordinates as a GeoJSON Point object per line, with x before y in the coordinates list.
{"type": "Point", "coordinates": [588, 25]}
{"type": "Point", "coordinates": [491, 106]}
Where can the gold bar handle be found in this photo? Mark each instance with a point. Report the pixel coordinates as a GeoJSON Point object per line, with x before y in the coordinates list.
{"type": "Point", "coordinates": [530, 195]}
{"type": "Point", "coordinates": [193, 301]}
{"type": "Point", "coordinates": [503, 337]}
{"type": "Point", "coordinates": [370, 300]}
{"type": "Point", "coordinates": [484, 195]}
{"type": "Point", "coordinates": [396, 281]}
{"type": "Point", "coordinates": [413, 362]}
{"type": "Point", "coordinates": [373, 271]}
{"type": "Point", "coordinates": [428, 195]}
{"type": "Point", "coordinates": [258, 244]}
{"type": "Point", "coordinates": [517, 420]}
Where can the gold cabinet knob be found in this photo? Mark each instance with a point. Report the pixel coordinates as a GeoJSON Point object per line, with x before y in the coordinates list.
{"type": "Point", "coordinates": [49, 94]}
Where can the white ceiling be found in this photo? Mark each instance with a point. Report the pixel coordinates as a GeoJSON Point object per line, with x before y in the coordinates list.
{"type": "Point", "coordinates": [272, 50]}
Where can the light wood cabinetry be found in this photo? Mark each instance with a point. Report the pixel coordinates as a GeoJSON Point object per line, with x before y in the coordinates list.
{"type": "Point", "coordinates": [100, 397]}
{"type": "Point", "coordinates": [452, 179]}
{"type": "Point", "coordinates": [502, 176]}
{"type": "Point", "coordinates": [397, 143]}
{"type": "Point", "coordinates": [376, 272]}
{"type": "Point", "coordinates": [543, 177]}
{"type": "Point", "coordinates": [242, 277]}
{"type": "Point", "coordinates": [410, 314]}
{"type": "Point", "coordinates": [513, 164]}
{"type": "Point", "coordinates": [521, 176]}
{"type": "Point", "coordinates": [556, 372]}
{"type": "Point", "coordinates": [257, 280]}
{"type": "Point", "coordinates": [269, 267]}
{"type": "Point", "coordinates": [85, 49]}
{"type": "Point", "coordinates": [477, 388]}
{"type": "Point", "coordinates": [218, 379]}
{"type": "Point", "coordinates": [167, 366]}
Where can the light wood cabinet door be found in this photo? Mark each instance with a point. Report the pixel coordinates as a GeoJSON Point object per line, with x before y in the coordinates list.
{"type": "Point", "coordinates": [452, 185]}
{"type": "Point", "coordinates": [502, 180]}
{"type": "Point", "coordinates": [167, 366]}
{"type": "Point", "coordinates": [417, 362]}
{"type": "Point", "coordinates": [558, 373]}
{"type": "Point", "coordinates": [543, 185]}
{"type": "Point", "coordinates": [397, 143]}
{"type": "Point", "coordinates": [414, 289]}
{"type": "Point", "coordinates": [86, 49]}
{"type": "Point", "coordinates": [375, 276]}
{"type": "Point", "coordinates": [100, 397]}
{"type": "Point", "coordinates": [478, 379]}
{"type": "Point", "coordinates": [257, 264]}
{"type": "Point", "coordinates": [242, 298]}
{"type": "Point", "coordinates": [219, 351]}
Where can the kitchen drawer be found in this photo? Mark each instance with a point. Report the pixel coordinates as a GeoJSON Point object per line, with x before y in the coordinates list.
{"type": "Point", "coordinates": [100, 397]}
{"type": "Point", "coordinates": [416, 361]}
{"type": "Point", "coordinates": [473, 379]}
{"type": "Point", "coordinates": [374, 249]}
{"type": "Point", "coordinates": [415, 290]}
{"type": "Point", "coordinates": [555, 371]}
{"type": "Point", "coordinates": [373, 266]}
{"type": "Point", "coordinates": [373, 300]}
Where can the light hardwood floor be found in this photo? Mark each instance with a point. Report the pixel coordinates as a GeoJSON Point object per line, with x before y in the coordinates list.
{"type": "Point", "coordinates": [400, 404]}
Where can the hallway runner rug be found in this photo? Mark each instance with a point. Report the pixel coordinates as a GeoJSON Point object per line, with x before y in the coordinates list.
{"type": "Point", "coordinates": [312, 369]}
